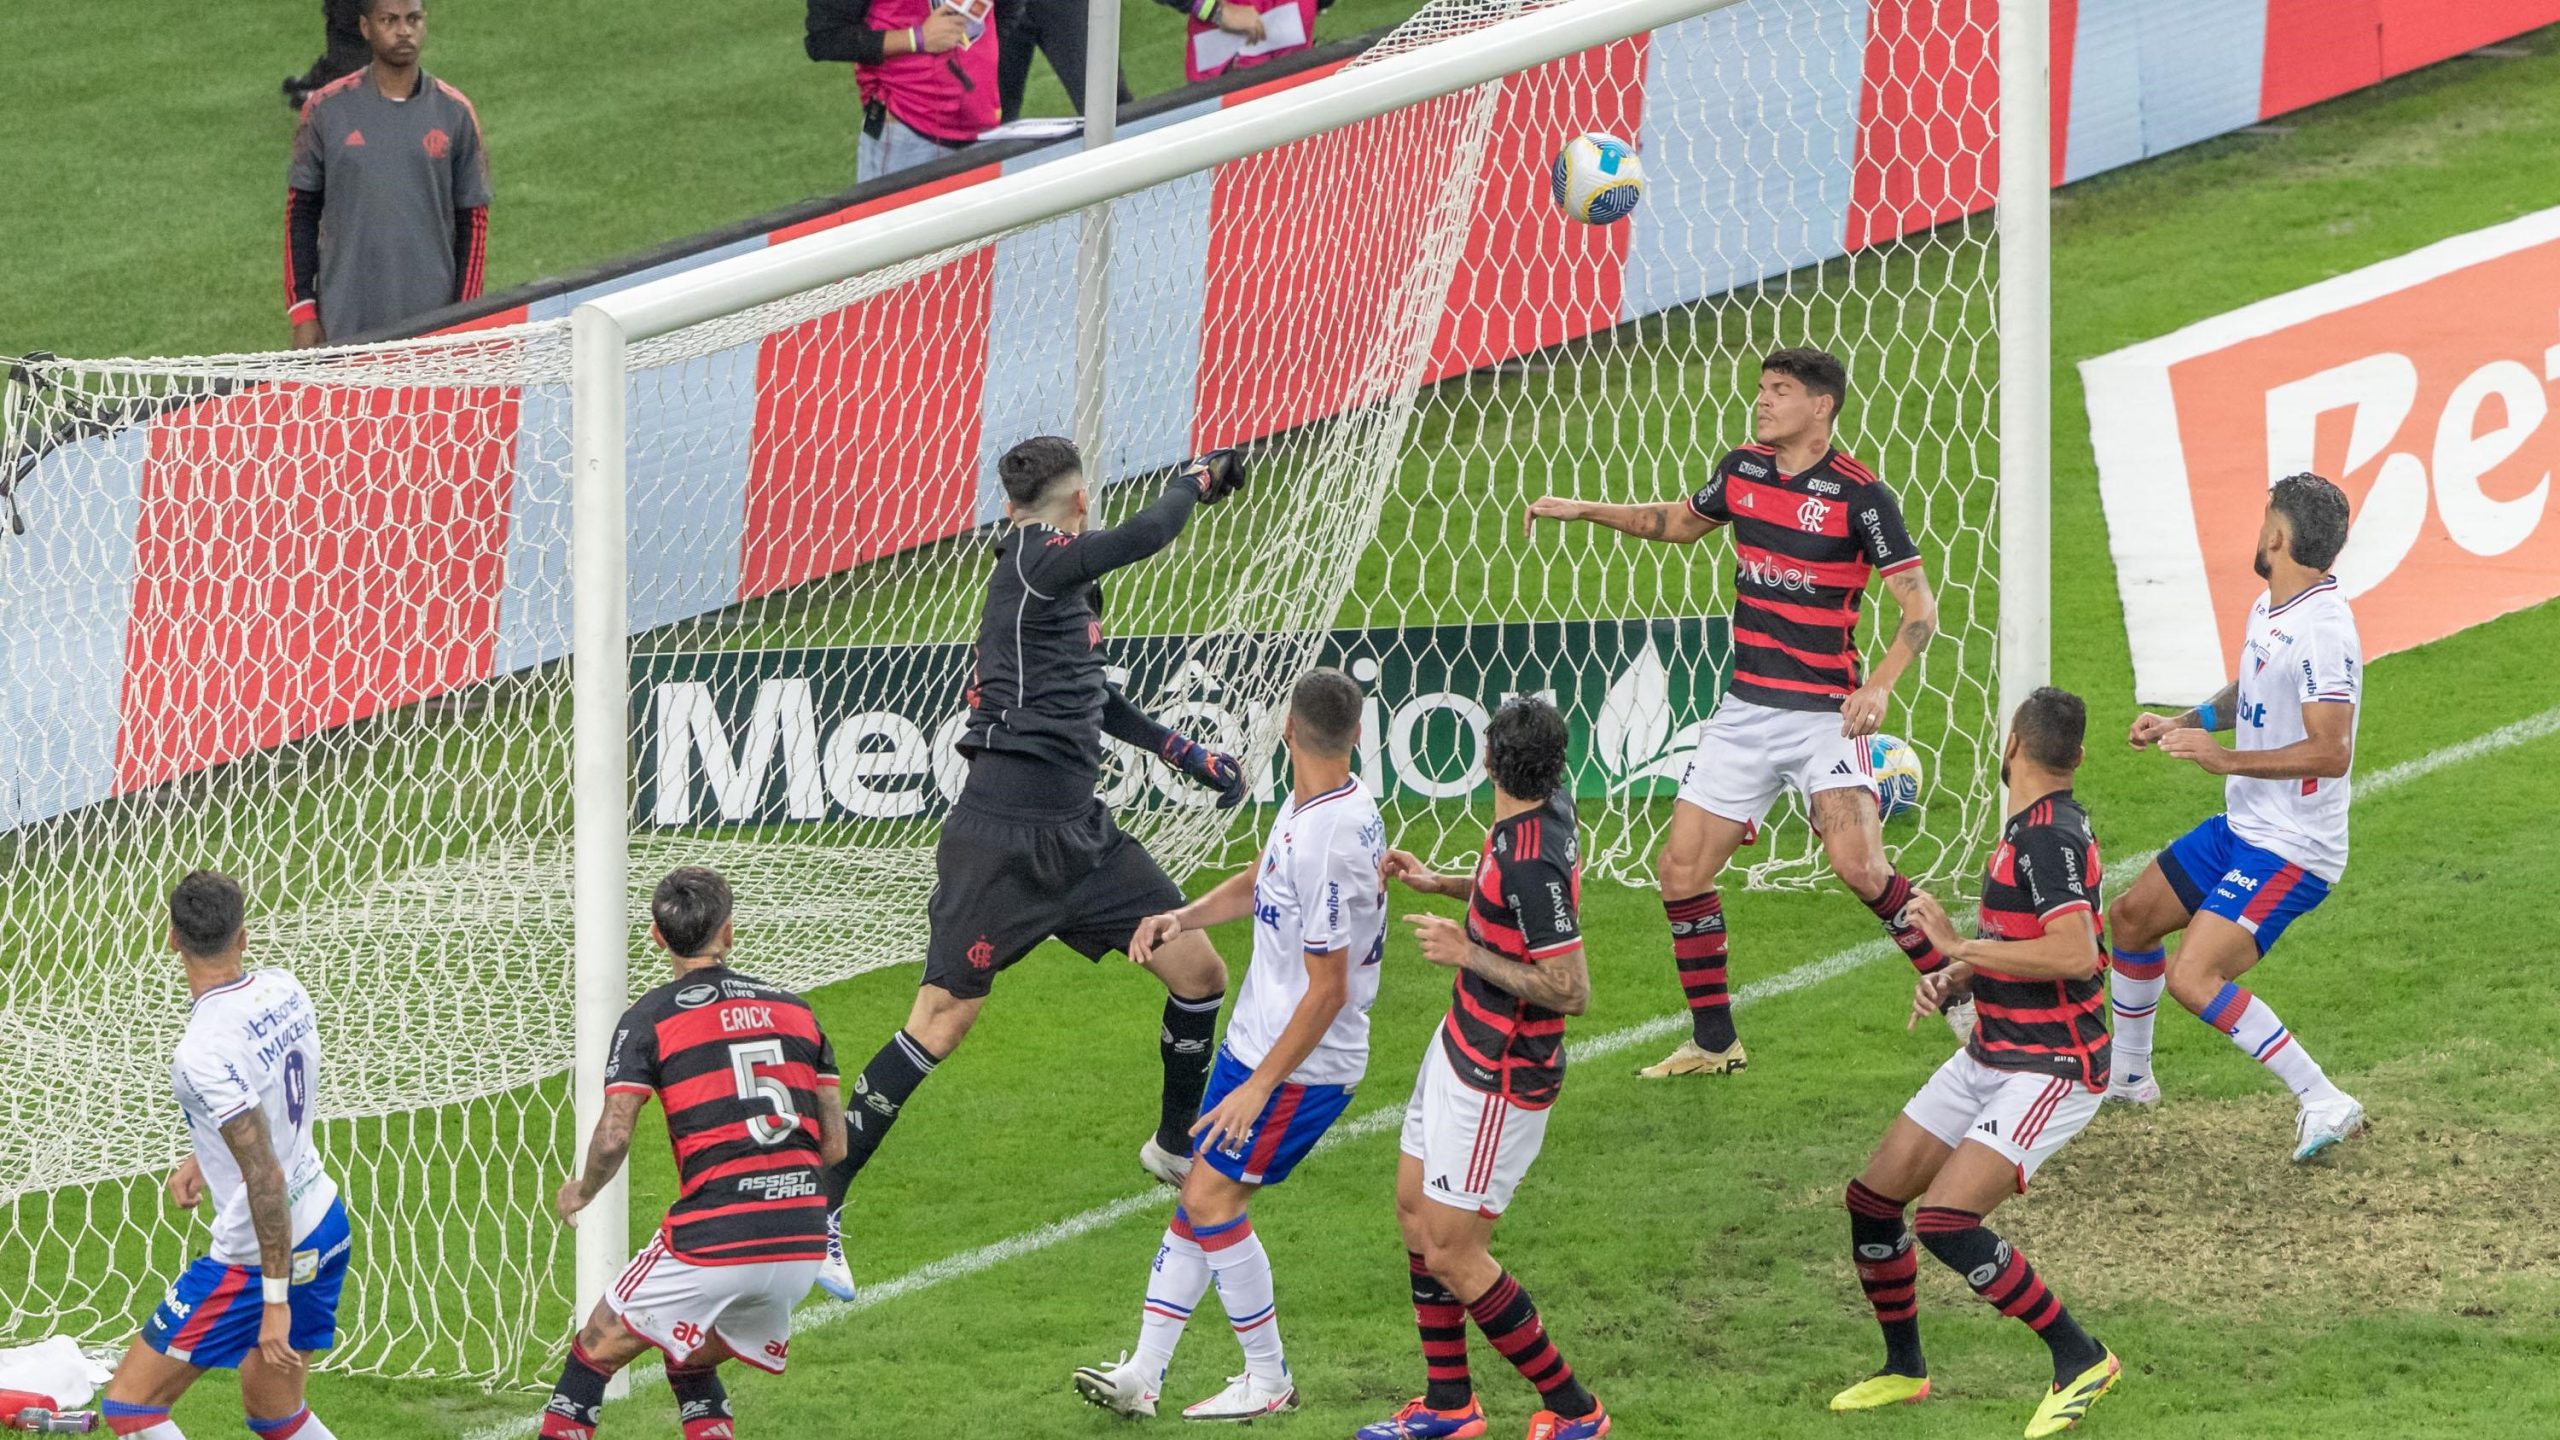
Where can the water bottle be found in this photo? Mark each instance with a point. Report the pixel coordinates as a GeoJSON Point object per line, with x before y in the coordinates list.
{"type": "Point", "coordinates": [36, 1420]}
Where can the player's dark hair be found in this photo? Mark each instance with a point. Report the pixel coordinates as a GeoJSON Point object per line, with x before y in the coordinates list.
{"type": "Point", "coordinates": [1524, 748]}
{"type": "Point", "coordinates": [207, 910]}
{"type": "Point", "coordinates": [691, 905]}
{"type": "Point", "coordinates": [1326, 704]}
{"type": "Point", "coordinates": [1031, 469]}
{"type": "Point", "coordinates": [2051, 725]}
{"type": "Point", "coordinates": [1818, 371]}
{"type": "Point", "coordinates": [2316, 512]}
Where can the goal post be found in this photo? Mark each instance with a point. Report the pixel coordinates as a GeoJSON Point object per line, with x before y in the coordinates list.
{"type": "Point", "coordinates": [450, 647]}
{"type": "Point", "coordinates": [2026, 351]}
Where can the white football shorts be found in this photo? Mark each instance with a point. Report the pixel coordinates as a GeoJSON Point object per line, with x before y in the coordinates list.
{"type": "Point", "coordinates": [1750, 754]}
{"type": "Point", "coordinates": [2025, 1115]}
{"type": "Point", "coordinates": [679, 1306]}
{"type": "Point", "coordinates": [1475, 1147]}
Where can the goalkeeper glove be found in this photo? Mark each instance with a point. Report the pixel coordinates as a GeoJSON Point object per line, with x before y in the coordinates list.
{"type": "Point", "coordinates": [1215, 769]}
{"type": "Point", "coordinates": [1215, 476]}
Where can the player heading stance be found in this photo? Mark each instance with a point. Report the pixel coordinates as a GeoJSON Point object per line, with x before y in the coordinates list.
{"type": "Point", "coordinates": [1298, 1044]}
{"type": "Point", "coordinates": [247, 1074]}
{"type": "Point", "coordinates": [1030, 852]}
{"type": "Point", "coordinates": [748, 1082]}
{"type": "Point", "coordinates": [2027, 1080]}
{"type": "Point", "coordinates": [2236, 881]}
{"type": "Point", "coordinates": [1809, 526]}
{"type": "Point", "coordinates": [1479, 1110]}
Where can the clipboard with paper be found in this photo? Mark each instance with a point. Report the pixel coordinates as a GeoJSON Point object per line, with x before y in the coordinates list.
{"type": "Point", "coordinates": [1284, 27]}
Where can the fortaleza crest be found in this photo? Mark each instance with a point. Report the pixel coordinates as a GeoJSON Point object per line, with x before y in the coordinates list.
{"type": "Point", "coordinates": [866, 733]}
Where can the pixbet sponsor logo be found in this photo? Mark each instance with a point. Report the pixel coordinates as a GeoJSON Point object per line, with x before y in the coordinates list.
{"type": "Point", "coordinates": [2424, 386]}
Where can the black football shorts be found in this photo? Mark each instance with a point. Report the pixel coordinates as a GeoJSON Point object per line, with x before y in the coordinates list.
{"type": "Point", "coordinates": [1003, 883]}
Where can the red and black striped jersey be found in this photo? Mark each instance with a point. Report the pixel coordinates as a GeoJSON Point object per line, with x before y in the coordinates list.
{"type": "Point", "coordinates": [1803, 546]}
{"type": "Point", "coordinates": [736, 1064]}
{"type": "Point", "coordinates": [2046, 872]}
{"type": "Point", "coordinates": [1525, 906]}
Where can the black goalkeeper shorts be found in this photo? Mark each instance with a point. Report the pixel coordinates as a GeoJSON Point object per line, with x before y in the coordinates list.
{"type": "Point", "coordinates": [1003, 883]}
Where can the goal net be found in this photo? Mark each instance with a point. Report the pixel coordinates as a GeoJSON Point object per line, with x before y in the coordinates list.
{"type": "Point", "coordinates": [307, 618]}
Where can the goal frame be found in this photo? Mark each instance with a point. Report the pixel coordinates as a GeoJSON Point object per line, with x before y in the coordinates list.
{"type": "Point", "coordinates": [603, 330]}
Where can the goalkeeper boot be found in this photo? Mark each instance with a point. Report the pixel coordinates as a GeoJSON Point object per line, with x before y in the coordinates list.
{"type": "Point", "coordinates": [1247, 1399]}
{"type": "Point", "coordinates": [1689, 1059]}
{"type": "Point", "coordinates": [1122, 1389]}
{"type": "Point", "coordinates": [1548, 1425]}
{"type": "Point", "coordinates": [2071, 1400]}
{"type": "Point", "coordinates": [834, 1276]}
{"type": "Point", "coordinates": [1418, 1421]}
{"type": "Point", "coordinates": [1881, 1389]}
{"type": "Point", "coordinates": [1163, 1164]}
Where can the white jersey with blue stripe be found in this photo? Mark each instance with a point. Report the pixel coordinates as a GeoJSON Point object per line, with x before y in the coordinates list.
{"type": "Point", "coordinates": [253, 1044]}
{"type": "Point", "coordinates": [1317, 889]}
{"type": "Point", "coordinates": [2301, 653]}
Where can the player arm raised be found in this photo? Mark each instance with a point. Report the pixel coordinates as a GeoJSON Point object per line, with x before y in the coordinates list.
{"type": "Point", "coordinates": [271, 1215]}
{"type": "Point", "coordinates": [607, 1148]}
{"type": "Point", "coordinates": [1328, 986]}
{"type": "Point", "coordinates": [1672, 522]}
{"type": "Point", "coordinates": [1095, 553]}
{"type": "Point", "coordinates": [1232, 899]}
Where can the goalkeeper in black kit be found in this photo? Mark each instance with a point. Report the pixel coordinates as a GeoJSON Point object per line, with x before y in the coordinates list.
{"type": "Point", "coordinates": [1030, 852]}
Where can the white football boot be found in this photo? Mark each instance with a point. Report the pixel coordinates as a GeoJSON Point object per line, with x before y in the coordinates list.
{"type": "Point", "coordinates": [2140, 1090]}
{"type": "Point", "coordinates": [834, 1276]}
{"type": "Point", "coordinates": [1163, 1164]}
{"type": "Point", "coordinates": [1122, 1389]}
{"type": "Point", "coordinates": [2324, 1123]}
{"type": "Point", "coordinates": [1246, 1399]}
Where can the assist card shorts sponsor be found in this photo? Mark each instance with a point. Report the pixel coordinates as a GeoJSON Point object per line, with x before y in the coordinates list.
{"type": "Point", "coordinates": [1749, 755]}
{"type": "Point", "coordinates": [679, 1306]}
{"type": "Point", "coordinates": [2026, 1115]}
{"type": "Point", "coordinates": [1475, 1146]}
{"type": "Point", "coordinates": [210, 1317]}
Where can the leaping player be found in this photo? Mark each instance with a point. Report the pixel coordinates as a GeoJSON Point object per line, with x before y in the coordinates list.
{"type": "Point", "coordinates": [1298, 1044]}
{"type": "Point", "coordinates": [1809, 526]}
{"type": "Point", "coordinates": [2236, 881]}
{"type": "Point", "coordinates": [247, 1073]}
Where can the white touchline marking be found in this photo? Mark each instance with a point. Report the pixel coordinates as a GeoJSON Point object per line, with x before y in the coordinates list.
{"type": "Point", "coordinates": [1391, 1117]}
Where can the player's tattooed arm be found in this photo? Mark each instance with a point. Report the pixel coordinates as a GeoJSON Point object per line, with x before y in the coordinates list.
{"type": "Point", "coordinates": [1863, 713]}
{"type": "Point", "coordinates": [262, 1175]}
{"type": "Point", "coordinates": [605, 1151]}
{"type": "Point", "coordinates": [1561, 983]}
{"type": "Point", "coordinates": [2214, 714]}
{"type": "Point", "coordinates": [1669, 521]}
{"type": "Point", "coordinates": [832, 1141]}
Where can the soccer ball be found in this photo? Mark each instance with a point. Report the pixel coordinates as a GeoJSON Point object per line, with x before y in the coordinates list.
{"type": "Point", "coordinates": [1598, 179]}
{"type": "Point", "coordinates": [1898, 776]}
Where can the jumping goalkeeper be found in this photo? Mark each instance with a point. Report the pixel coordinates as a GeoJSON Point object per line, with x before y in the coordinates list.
{"type": "Point", "coordinates": [1030, 852]}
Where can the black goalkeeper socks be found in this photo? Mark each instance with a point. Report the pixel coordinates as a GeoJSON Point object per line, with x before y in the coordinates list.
{"type": "Point", "coordinates": [1188, 1045]}
{"type": "Point", "coordinates": [879, 1093]}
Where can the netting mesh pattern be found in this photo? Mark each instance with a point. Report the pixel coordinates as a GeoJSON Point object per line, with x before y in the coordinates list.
{"type": "Point", "coordinates": [305, 617]}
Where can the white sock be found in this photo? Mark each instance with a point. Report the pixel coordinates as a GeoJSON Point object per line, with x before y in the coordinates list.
{"type": "Point", "coordinates": [2262, 1037]}
{"type": "Point", "coordinates": [1243, 1269]}
{"type": "Point", "coordinates": [2134, 989]}
{"type": "Point", "coordinates": [300, 1425]}
{"type": "Point", "coordinates": [1174, 1288]}
{"type": "Point", "coordinates": [165, 1430]}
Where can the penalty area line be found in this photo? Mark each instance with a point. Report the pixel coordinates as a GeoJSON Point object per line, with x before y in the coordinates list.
{"type": "Point", "coordinates": [1379, 1121]}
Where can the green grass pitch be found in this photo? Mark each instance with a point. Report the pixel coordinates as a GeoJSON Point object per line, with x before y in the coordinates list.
{"type": "Point", "coordinates": [1686, 1243]}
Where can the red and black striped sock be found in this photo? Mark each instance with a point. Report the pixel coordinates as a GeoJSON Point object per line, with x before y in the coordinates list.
{"type": "Point", "coordinates": [1510, 1320]}
{"type": "Point", "coordinates": [2001, 1275]}
{"type": "Point", "coordinates": [1697, 947]}
{"type": "Point", "coordinates": [1887, 1271]}
{"type": "Point", "coordinates": [1443, 1323]}
{"type": "Point", "coordinates": [1916, 946]}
